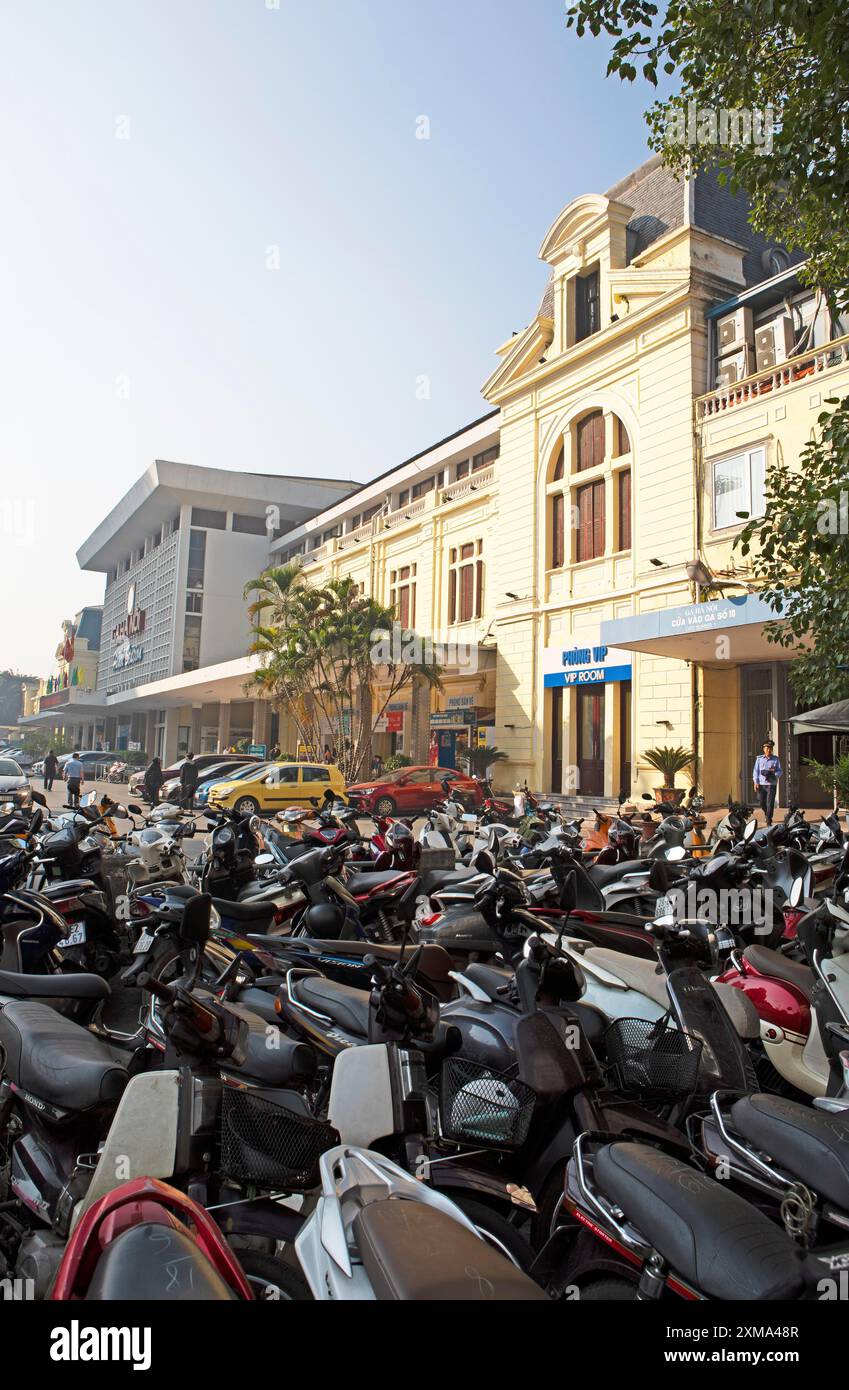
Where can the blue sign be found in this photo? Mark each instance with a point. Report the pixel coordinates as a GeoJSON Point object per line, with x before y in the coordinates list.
{"type": "Point", "coordinates": [591, 665]}
{"type": "Point", "coordinates": [587, 675]}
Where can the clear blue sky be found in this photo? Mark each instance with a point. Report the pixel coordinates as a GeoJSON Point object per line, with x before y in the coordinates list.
{"type": "Point", "coordinates": [138, 318]}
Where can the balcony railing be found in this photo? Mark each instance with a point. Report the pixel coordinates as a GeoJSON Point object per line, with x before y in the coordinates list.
{"type": "Point", "coordinates": [465, 487]}
{"type": "Point", "coordinates": [393, 520]}
{"type": "Point", "coordinates": [809, 364]}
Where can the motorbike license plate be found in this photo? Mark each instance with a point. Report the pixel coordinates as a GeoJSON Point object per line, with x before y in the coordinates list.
{"type": "Point", "coordinates": [144, 943]}
{"type": "Point", "coordinates": [76, 937]}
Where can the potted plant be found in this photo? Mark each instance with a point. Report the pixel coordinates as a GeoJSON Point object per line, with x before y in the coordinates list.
{"type": "Point", "coordinates": [669, 761]}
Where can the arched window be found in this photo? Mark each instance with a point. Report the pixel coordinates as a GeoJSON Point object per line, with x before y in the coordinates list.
{"type": "Point", "coordinates": [602, 506]}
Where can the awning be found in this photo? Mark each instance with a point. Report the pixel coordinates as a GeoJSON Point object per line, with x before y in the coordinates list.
{"type": "Point", "coordinates": [828, 719]}
{"type": "Point", "coordinates": [690, 633]}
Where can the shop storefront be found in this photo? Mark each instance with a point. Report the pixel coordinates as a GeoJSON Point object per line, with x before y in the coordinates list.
{"type": "Point", "coordinates": [588, 691]}
{"type": "Point", "coordinates": [741, 692]}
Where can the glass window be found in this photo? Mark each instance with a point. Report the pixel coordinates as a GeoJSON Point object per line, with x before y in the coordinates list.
{"type": "Point", "coordinates": [283, 775]}
{"type": "Point", "coordinates": [197, 559]}
{"type": "Point", "coordinates": [191, 642]}
{"type": "Point", "coordinates": [194, 603]}
{"type": "Point", "coordinates": [739, 485]}
{"type": "Point", "coordinates": [316, 774]}
{"type": "Point", "coordinates": [482, 460]}
{"type": "Point", "coordinates": [419, 489]}
{"type": "Point", "coordinates": [587, 319]}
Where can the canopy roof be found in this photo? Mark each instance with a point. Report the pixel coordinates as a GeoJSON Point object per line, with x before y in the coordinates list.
{"type": "Point", "coordinates": [828, 719]}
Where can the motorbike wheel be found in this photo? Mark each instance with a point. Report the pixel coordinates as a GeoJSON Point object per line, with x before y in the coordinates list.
{"type": "Point", "coordinates": [385, 806]}
{"type": "Point", "coordinates": [273, 1279]}
{"type": "Point", "coordinates": [496, 1230]}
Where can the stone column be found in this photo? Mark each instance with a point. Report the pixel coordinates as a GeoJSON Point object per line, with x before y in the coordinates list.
{"type": "Point", "coordinates": [194, 736]}
{"type": "Point", "coordinates": [419, 721]}
{"type": "Point", "coordinates": [172, 724]}
{"type": "Point", "coordinates": [259, 726]}
{"type": "Point", "coordinates": [150, 735]}
{"type": "Point", "coordinates": [223, 726]}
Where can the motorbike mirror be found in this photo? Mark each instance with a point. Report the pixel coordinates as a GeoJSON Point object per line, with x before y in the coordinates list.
{"type": "Point", "coordinates": [797, 888]}
{"type": "Point", "coordinates": [119, 811]}
{"type": "Point", "coordinates": [568, 896]}
{"type": "Point", "coordinates": [264, 861]}
{"type": "Point", "coordinates": [750, 828]}
{"type": "Point", "coordinates": [194, 927]}
{"type": "Point", "coordinates": [89, 799]}
{"type": "Point", "coordinates": [313, 801]}
{"type": "Point", "coordinates": [675, 854]}
{"type": "Point", "coordinates": [647, 796]}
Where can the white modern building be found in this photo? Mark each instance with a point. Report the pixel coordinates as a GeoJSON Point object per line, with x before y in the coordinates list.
{"type": "Point", "coordinates": [177, 551]}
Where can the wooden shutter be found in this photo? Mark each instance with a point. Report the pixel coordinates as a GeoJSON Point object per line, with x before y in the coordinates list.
{"type": "Point", "coordinates": [585, 523]}
{"type": "Point", "coordinates": [452, 596]}
{"type": "Point", "coordinates": [467, 592]}
{"type": "Point", "coordinates": [624, 486]}
{"type": "Point", "coordinates": [479, 588]}
{"type": "Point", "coordinates": [598, 519]}
{"type": "Point", "coordinates": [557, 536]}
{"type": "Point", "coordinates": [590, 436]}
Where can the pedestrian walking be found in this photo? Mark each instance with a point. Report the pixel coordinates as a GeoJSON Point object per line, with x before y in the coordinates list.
{"type": "Point", "coordinates": [766, 776]}
{"type": "Point", "coordinates": [188, 782]}
{"type": "Point", "coordinates": [50, 768]}
{"type": "Point", "coordinates": [153, 779]}
{"type": "Point", "coordinates": [74, 775]}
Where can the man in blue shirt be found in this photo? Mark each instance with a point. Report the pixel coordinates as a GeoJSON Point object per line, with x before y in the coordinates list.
{"type": "Point", "coordinates": [766, 774]}
{"type": "Point", "coordinates": [74, 775]}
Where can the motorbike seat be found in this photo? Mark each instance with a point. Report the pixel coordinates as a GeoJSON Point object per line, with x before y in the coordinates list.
{"type": "Point", "coordinates": [604, 874]}
{"type": "Point", "coordinates": [155, 1261]}
{"type": "Point", "coordinates": [413, 1251]}
{"type": "Point", "coordinates": [364, 883]}
{"type": "Point", "coordinates": [247, 910]}
{"type": "Point", "coordinates": [55, 1059]}
{"type": "Point", "coordinates": [66, 888]}
{"type": "Point", "coordinates": [769, 962]}
{"type": "Point", "coordinates": [489, 978]}
{"type": "Point", "coordinates": [709, 1236]}
{"type": "Point", "coordinates": [277, 1065]}
{"type": "Point", "coordinates": [52, 986]}
{"type": "Point", "coordinates": [342, 1003]}
{"type": "Point", "coordinates": [634, 971]}
{"type": "Point", "coordinates": [811, 1144]}
{"type": "Point", "coordinates": [437, 880]}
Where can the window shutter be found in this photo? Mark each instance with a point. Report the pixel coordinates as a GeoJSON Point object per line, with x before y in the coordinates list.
{"type": "Point", "coordinates": [598, 520]}
{"type": "Point", "coordinates": [479, 587]}
{"type": "Point", "coordinates": [590, 434]}
{"type": "Point", "coordinates": [625, 510]}
{"type": "Point", "coordinates": [585, 523]}
{"type": "Point", "coordinates": [467, 584]}
{"type": "Point", "coordinates": [557, 536]}
{"type": "Point", "coordinates": [452, 596]}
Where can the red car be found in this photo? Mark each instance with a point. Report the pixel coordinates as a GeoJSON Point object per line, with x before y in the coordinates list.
{"type": "Point", "coordinates": [412, 791]}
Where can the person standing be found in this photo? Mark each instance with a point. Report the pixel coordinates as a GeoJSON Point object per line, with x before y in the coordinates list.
{"type": "Point", "coordinates": [153, 779]}
{"type": "Point", "coordinates": [766, 775]}
{"type": "Point", "coordinates": [74, 775]}
{"type": "Point", "coordinates": [50, 768]}
{"type": "Point", "coordinates": [188, 782]}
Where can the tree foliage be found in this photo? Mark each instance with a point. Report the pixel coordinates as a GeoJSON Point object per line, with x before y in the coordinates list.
{"type": "Point", "coordinates": [793, 58]}
{"type": "Point", "coordinates": [323, 651]}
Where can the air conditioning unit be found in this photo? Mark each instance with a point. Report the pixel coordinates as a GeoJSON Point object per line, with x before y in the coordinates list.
{"type": "Point", "coordinates": [774, 342]}
{"type": "Point", "coordinates": [734, 367]}
{"type": "Point", "coordinates": [734, 331]}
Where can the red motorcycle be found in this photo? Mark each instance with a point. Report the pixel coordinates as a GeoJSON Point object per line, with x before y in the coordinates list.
{"type": "Point", "coordinates": [146, 1241]}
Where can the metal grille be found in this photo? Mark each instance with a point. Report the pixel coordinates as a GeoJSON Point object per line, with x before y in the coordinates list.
{"type": "Point", "coordinates": [268, 1146]}
{"type": "Point", "coordinates": [481, 1106]}
{"type": "Point", "coordinates": [652, 1057]}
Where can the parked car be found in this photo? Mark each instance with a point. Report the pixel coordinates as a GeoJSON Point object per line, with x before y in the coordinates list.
{"type": "Point", "coordinates": [276, 786]}
{"type": "Point", "coordinates": [135, 785]}
{"type": "Point", "coordinates": [224, 767]}
{"type": "Point", "coordinates": [231, 774]}
{"type": "Point", "coordinates": [412, 791]}
{"type": "Point", "coordinates": [14, 784]}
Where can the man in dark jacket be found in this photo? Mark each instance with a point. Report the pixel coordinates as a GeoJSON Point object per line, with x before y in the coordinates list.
{"type": "Point", "coordinates": [153, 779]}
{"type": "Point", "coordinates": [188, 782]}
{"type": "Point", "coordinates": [50, 768]}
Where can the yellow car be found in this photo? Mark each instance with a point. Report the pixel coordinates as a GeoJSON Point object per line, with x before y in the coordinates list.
{"type": "Point", "coordinates": [274, 786]}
